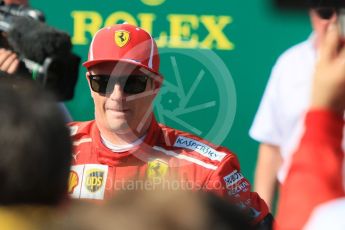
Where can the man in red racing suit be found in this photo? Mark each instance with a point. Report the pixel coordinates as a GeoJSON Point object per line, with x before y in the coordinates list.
{"type": "Point", "coordinates": [165, 151]}
{"type": "Point", "coordinates": [125, 148]}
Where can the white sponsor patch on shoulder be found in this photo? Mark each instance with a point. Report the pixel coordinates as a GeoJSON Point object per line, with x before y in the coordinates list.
{"type": "Point", "coordinates": [73, 130]}
{"type": "Point", "coordinates": [203, 149]}
{"type": "Point", "coordinates": [233, 178]}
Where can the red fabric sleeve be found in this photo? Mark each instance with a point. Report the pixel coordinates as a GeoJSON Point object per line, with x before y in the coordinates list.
{"type": "Point", "coordinates": [315, 175]}
{"type": "Point", "coordinates": [228, 182]}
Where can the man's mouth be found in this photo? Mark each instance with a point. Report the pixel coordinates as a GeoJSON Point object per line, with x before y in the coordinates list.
{"type": "Point", "coordinates": [118, 109]}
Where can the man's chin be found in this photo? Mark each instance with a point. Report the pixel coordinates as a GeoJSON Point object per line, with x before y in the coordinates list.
{"type": "Point", "coordinates": [120, 128]}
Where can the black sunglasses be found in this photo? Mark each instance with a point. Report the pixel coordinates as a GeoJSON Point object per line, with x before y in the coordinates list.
{"type": "Point", "coordinates": [132, 84]}
{"type": "Point", "coordinates": [325, 12]}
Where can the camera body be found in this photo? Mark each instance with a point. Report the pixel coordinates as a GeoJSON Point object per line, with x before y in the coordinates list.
{"type": "Point", "coordinates": [45, 52]}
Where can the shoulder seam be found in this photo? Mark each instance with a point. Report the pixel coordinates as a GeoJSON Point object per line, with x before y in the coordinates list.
{"type": "Point", "coordinates": [82, 140]}
{"type": "Point", "coordinates": [185, 157]}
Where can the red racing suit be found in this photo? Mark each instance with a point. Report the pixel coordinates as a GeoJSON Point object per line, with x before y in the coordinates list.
{"type": "Point", "coordinates": [97, 172]}
{"type": "Point", "coordinates": [316, 173]}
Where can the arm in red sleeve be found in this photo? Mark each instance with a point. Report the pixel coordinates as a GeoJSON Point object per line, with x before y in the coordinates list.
{"type": "Point", "coordinates": [228, 182]}
{"type": "Point", "coordinates": [315, 175]}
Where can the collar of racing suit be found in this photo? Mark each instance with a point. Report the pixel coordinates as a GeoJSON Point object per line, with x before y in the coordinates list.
{"type": "Point", "coordinates": [140, 153]}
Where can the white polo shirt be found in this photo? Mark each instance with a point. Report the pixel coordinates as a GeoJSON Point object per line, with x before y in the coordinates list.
{"type": "Point", "coordinates": [285, 101]}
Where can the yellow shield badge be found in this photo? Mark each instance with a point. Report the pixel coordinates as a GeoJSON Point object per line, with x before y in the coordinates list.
{"type": "Point", "coordinates": [73, 181]}
{"type": "Point", "coordinates": [157, 168]}
{"type": "Point", "coordinates": [94, 179]}
{"type": "Point", "coordinates": [121, 38]}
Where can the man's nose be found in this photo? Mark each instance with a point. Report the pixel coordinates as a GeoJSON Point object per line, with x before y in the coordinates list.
{"type": "Point", "coordinates": [117, 93]}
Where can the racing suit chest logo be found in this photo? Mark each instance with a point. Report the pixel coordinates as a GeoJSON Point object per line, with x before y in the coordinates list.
{"type": "Point", "coordinates": [73, 181]}
{"type": "Point", "coordinates": [94, 180]}
{"type": "Point", "coordinates": [157, 168]}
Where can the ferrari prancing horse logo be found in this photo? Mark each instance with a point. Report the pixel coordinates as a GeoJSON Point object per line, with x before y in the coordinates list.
{"type": "Point", "coordinates": [157, 168]}
{"type": "Point", "coordinates": [121, 38]}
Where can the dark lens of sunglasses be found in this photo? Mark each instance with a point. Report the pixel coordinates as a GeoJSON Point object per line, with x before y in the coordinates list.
{"type": "Point", "coordinates": [99, 83]}
{"type": "Point", "coordinates": [134, 84]}
{"type": "Point", "coordinates": [325, 13]}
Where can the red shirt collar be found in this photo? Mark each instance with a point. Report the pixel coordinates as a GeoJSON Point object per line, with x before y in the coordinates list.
{"type": "Point", "coordinates": [106, 156]}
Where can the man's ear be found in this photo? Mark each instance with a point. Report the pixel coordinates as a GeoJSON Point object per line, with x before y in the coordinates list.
{"type": "Point", "coordinates": [156, 85]}
{"type": "Point", "coordinates": [157, 81]}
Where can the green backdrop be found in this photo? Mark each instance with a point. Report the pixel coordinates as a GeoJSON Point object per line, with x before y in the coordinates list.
{"type": "Point", "coordinates": [216, 58]}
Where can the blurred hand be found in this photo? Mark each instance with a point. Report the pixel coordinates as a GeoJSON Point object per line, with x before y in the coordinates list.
{"type": "Point", "coordinates": [18, 2]}
{"type": "Point", "coordinates": [9, 61]}
{"type": "Point", "coordinates": [328, 90]}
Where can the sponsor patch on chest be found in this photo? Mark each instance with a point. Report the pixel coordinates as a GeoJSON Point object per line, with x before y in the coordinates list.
{"type": "Point", "coordinates": [197, 146]}
{"type": "Point", "coordinates": [88, 181]}
{"type": "Point", "coordinates": [156, 168]}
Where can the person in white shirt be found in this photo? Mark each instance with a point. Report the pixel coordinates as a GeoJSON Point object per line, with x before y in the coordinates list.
{"type": "Point", "coordinates": [276, 124]}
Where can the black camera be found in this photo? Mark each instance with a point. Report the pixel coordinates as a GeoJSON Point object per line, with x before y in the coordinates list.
{"type": "Point", "coordinates": [304, 4]}
{"type": "Point", "coordinates": [45, 52]}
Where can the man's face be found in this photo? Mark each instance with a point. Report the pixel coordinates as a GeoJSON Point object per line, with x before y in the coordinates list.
{"type": "Point", "coordinates": [320, 24]}
{"type": "Point", "coordinates": [117, 111]}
